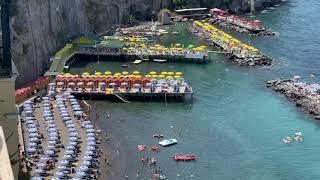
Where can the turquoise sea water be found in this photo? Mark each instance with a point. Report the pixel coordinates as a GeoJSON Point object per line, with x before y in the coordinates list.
{"type": "Point", "coordinates": [235, 124]}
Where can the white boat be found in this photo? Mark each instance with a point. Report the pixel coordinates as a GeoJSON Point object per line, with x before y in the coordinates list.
{"type": "Point", "coordinates": [160, 60]}
{"type": "Point", "coordinates": [137, 61]}
{"type": "Point", "coordinates": [299, 133]}
{"type": "Point", "coordinates": [168, 142]}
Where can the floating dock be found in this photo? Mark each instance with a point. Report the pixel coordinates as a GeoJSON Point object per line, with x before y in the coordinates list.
{"type": "Point", "coordinates": [114, 48]}
{"type": "Point", "coordinates": [241, 53]}
{"type": "Point", "coordinates": [125, 88]}
{"type": "Point", "coordinates": [239, 24]}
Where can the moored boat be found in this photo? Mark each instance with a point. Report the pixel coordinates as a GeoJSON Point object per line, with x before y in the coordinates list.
{"type": "Point", "coordinates": [180, 157]}
{"type": "Point", "coordinates": [168, 142]}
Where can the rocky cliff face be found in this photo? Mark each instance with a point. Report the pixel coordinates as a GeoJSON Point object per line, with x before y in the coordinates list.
{"type": "Point", "coordinates": [41, 27]}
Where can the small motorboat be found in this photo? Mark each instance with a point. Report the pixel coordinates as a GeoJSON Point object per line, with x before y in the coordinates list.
{"type": "Point", "coordinates": [154, 148]}
{"type": "Point", "coordinates": [137, 61]}
{"type": "Point", "coordinates": [178, 157]}
{"type": "Point", "coordinates": [124, 65]}
{"type": "Point", "coordinates": [158, 135]}
{"type": "Point", "coordinates": [160, 60]}
{"type": "Point", "coordinates": [168, 142]}
{"type": "Point", "coordinates": [142, 147]}
{"type": "Point", "coordinates": [298, 138]}
{"type": "Point", "coordinates": [299, 133]}
{"type": "Point", "coordinates": [287, 140]}
{"type": "Point", "coordinates": [175, 33]}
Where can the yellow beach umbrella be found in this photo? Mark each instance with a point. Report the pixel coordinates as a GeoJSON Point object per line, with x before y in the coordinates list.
{"type": "Point", "coordinates": [97, 73]}
{"type": "Point", "coordinates": [169, 77]}
{"type": "Point", "coordinates": [137, 76]}
{"type": "Point", "coordinates": [125, 73]}
{"type": "Point", "coordinates": [152, 73]}
{"type": "Point", "coordinates": [154, 76]}
{"type": "Point", "coordinates": [178, 44]}
{"type": "Point", "coordinates": [148, 76]}
{"type": "Point", "coordinates": [157, 45]}
{"type": "Point", "coordinates": [161, 76]}
{"type": "Point", "coordinates": [136, 72]}
{"type": "Point", "coordinates": [117, 74]}
{"type": "Point", "coordinates": [132, 76]}
{"type": "Point", "coordinates": [108, 73]}
{"type": "Point", "coordinates": [164, 73]}
{"type": "Point", "coordinates": [170, 73]}
{"type": "Point", "coordinates": [179, 73]}
{"type": "Point", "coordinates": [177, 77]}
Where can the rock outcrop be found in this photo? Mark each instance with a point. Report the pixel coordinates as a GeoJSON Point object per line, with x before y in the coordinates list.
{"type": "Point", "coordinates": [305, 95]}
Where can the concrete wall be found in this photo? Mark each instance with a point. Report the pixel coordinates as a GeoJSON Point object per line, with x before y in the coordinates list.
{"type": "Point", "coordinates": [8, 120]}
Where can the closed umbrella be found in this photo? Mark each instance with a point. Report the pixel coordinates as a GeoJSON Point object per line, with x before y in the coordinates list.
{"type": "Point", "coordinates": [70, 126]}
{"type": "Point", "coordinates": [35, 139]}
{"type": "Point", "coordinates": [61, 168]}
{"type": "Point", "coordinates": [89, 130]}
{"type": "Point", "coordinates": [32, 135]}
{"type": "Point", "coordinates": [52, 142]}
{"type": "Point", "coordinates": [92, 143]}
{"type": "Point", "coordinates": [75, 106]}
{"type": "Point", "coordinates": [86, 163]}
{"type": "Point", "coordinates": [71, 147]}
{"type": "Point", "coordinates": [77, 109]}
{"type": "Point", "coordinates": [59, 174]}
{"type": "Point", "coordinates": [64, 115]}
{"type": "Point", "coordinates": [72, 100]}
{"type": "Point", "coordinates": [41, 165]}
{"type": "Point", "coordinates": [31, 149]}
{"type": "Point", "coordinates": [29, 122]}
{"type": "Point", "coordinates": [30, 118]}
{"type": "Point", "coordinates": [73, 134]}
{"type": "Point", "coordinates": [32, 130]}
{"type": "Point", "coordinates": [83, 168]}
{"type": "Point", "coordinates": [31, 126]}
{"type": "Point", "coordinates": [39, 171]}
{"type": "Point", "coordinates": [29, 112]}
{"type": "Point", "coordinates": [72, 130]}
{"type": "Point", "coordinates": [48, 118]}
{"type": "Point", "coordinates": [73, 139]}
{"type": "Point", "coordinates": [91, 138]}
{"type": "Point", "coordinates": [49, 152]}
{"type": "Point", "coordinates": [44, 158]}
{"type": "Point", "coordinates": [32, 144]}
{"type": "Point", "coordinates": [89, 126]}
{"type": "Point", "coordinates": [53, 138]}
{"type": "Point", "coordinates": [53, 134]}
{"type": "Point", "coordinates": [90, 148]}
{"type": "Point", "coordinates": [89, 153]}
{"type": "Point", "coordinates": [68, 122]}
{"type": "Point", "coordinates": [73, 143]}
{"type": "Point", "coordinates": [51, 147]}
{"type": "Point", "coordinates": [66, 118]}
{"type": "Point", "coordinates": [67, 156]}
{"type": "Point", "coordinates": [71, 152]}
{"type": "Point", "coordinates": [80, 174]}
{"type": "Point", "coordinates": [91, 135]}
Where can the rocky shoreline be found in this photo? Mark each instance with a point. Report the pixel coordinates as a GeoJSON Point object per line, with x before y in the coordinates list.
{"type": "Point", "coordinates": [258, 61]}
{"type": "Point", "coordinates": [305, 95]}
{"type": "Point", "coordinates": [239, 29]}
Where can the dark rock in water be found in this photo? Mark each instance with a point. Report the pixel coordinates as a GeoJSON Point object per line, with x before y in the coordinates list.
{"type": "Point", "coordinates": [317, 117]}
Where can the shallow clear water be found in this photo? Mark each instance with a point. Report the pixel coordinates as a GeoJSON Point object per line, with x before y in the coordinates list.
{"type": "Point", "coordinates": [235, 124]}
